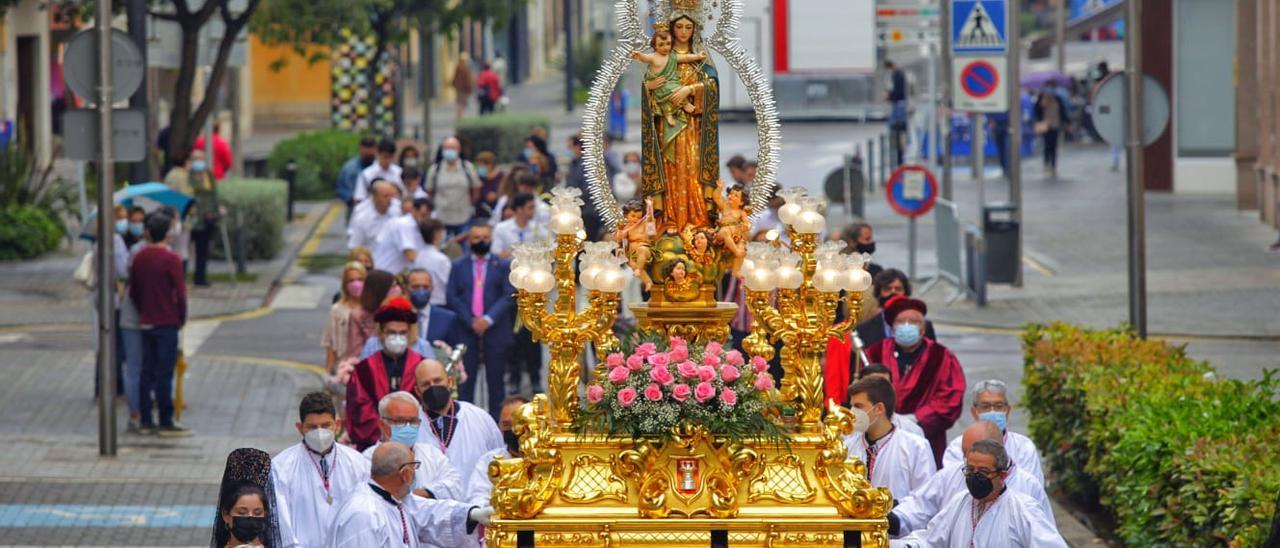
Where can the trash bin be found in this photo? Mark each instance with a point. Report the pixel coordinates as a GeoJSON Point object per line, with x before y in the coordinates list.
{"type": "Point", "coordinates": [1001, 231]}
{"type": "Point", "coordinates": [834, 185]}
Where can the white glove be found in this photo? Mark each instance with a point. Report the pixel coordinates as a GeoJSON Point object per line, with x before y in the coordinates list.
{"type": "Point", "coordinates": [481, 515]}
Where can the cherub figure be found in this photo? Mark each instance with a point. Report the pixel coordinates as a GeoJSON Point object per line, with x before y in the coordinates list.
{"type": "Point", "coordinates": [634, 235]}
{"type": "Point", "coordinates": [697, 245]}
{"type": "Point", "coordinates": [682, 283]}
{"type": "Point", "coordinates": [662, 64]}
{"type": "Point", "coordinates": [733, 225]}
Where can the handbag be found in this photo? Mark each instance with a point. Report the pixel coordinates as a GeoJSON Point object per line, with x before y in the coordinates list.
{"type": "Point", "coordinates": [1042, 127]}
{"type": "Point", "coordinates": [85, 273]}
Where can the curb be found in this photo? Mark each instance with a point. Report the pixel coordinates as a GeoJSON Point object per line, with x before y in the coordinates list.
{"type": "Point", "coordinates": [1004, 329]}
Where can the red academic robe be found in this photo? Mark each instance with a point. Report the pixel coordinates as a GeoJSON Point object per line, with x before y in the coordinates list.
{"type": "Point", "coordinates": [835, 370]}
{"type": "Point", "coordinates": [933, 389]}
{"type": "Point", "coordinates": [368, 384]}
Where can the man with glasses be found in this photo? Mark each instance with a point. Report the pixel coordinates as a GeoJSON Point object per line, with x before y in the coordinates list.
{"type": "Point", "coordinates": [915, 511]}
{"type": "Point", "coordinates": [401, 419]}
{"type": "Point", "coordinates": [991, 403]}
{"type": "Point", "coordinates": [385, 511]}
{"type": "Point", "coordinates": [989, 513]}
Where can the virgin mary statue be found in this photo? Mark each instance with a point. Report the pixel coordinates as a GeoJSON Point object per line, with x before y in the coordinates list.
{"type": "Point", "coordinates": [681, 176]}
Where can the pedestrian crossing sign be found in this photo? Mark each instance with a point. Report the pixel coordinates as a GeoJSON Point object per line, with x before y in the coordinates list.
{"type": "Point", "coordinates": [978, 26]}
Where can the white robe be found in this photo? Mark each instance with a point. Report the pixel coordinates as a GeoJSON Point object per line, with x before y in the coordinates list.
{"type": "Point", "coordinates": [436, 474]}
{"type": "Point", "coordinates": [367, 520]}
{"type": "Point", "coordinates": [915, 511]}
{"type": "Point", "coordinates": [1013, 520]}
{"type": "Point", "coordinates": [475, 435]}
{"type": "Point", "coordinates": [907, 425]}
{"type": "Point", "coordinates": [479, 486]}
{"type": "Point", "coordinates": [903, 463]}
{"type": "Point", "coordinates": [301, 504]}
{"type": "Point", "coordinates": [1022, 452]}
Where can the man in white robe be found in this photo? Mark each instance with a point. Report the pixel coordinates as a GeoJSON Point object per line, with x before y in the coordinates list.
{"type": "Point", "coordinates": [915, 511]}
{"type": "Point", "coordinates": [905, 423]}
{"type": "Point", "coordinates": [479, 486]}
{"type": "Point", "coordinates": [385, 513]}
{"type": "Point", "coordinates": [896, 459]}
{"type": "Point", "coordinates": [400, 417]}
{"type": "Point", "coordinates": [462, 431]}
{"type": "Point", "coordinates": [991, 403]}
{"type": "Point", "coordinates": [988, 513]}
{"type": "Point", "coordinates": [367, 220]}
{"type": "Point", "coordinates": [313, 478]}
{"type": "Point", "coordinates": [398, 241]}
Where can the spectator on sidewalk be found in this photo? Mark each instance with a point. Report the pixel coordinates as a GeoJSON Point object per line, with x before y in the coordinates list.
{"type": "Point", "coordinates": [382, 372]}
{"type": "Point", "coordinates": [741, 170]}
{"type": "Point", "coordinates": [491, 179]}
{"type": "Point", "coordinates": [526, 183]}
{"type": "Point", "coordinates": [334, 339]}
{"type": "Point", "coordinates": [315, 476]}
{"type": "Point", "coordinates": [222, 157]}
{"type": "Point", "coordinates": [362, 255]}
{"type": "Point", "coordinates": [131, 340]}
{"type": "Point", "coordinates": [410, 157]}
{"type": "Point", "coordinates": [383, 168]}
{"type": "Point", "coordinates": [576, 177]}
{"type": "Point", "coordinates": [463, 85]}
{"type": "Point", "coordinates": [860, 238]}
{"type": "Point", "coordinates": [453, 186]}
{"type": "Point", "coordinates": [345, 188]}
{"type": "Point", "coordinates": [482, 297]}
{"type": "Point", "coordinates": [895, 459]}
{"type": "Point", "coordinates": [523, 226]}
{"type": "Point", "coordinates": [413, 190]}
{"type": "Point", "coordinates": [926, 375]}
{"type": "Point", "coordinates": [490, 89]}
{"type": "Point", "coordinates": [206, 213]}
{"type": "Point", "coordinates": [1049, 115]}
{"type": "Point", "coordinates": [897, 97]}
{"type": "Point", "coordinates": [159, 291]}
{"type": "Point", "coordinates": [373, 214]}
{"type": "Point", "coordinates": [539, 161]}
{"type": "Point", "coordinates": [627, 182]}
{"type": "Point", "coordinates": [998, 124]}
{"type": "Point", "coordinates": [991, 403]}
{"type": "Point", "coordinates": [399, 240]}
{"type": "Point", "coordinates": [135, 230]}
{"type": "Point", "coordinates": [378, 287]}
{"type": "Point", "coordinates": [120, 262]}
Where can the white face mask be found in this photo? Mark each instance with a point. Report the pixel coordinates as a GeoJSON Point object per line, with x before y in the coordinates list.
{"type": "Point", "coordinates": [861, 421]}
{"type": "Point", "coordinates": [396, 344]}
{"type": "Point", "coordinates": [624, 190]}
{"type": "Point", "coordinates": [319, 440]}
{"type": "Point", "coordinates": [632, 168]}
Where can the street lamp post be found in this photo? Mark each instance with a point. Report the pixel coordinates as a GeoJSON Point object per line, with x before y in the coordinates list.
{"type": "Point", "coordinates": [105, 243]}
{"type": "Point", "coordinates": [1137, 207]}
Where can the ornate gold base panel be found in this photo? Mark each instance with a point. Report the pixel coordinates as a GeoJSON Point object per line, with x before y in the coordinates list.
{"type": "Point", "coordinates": [692, 323]}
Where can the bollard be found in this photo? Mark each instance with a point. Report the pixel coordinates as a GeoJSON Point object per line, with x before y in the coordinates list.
{"type": "Point", "coordinates": [242, 267]}
{"type": "Point", "coordinates": [884, 158]}
{"type": "Point", "coordinates": [290, 177]}
{"type": "Point", "coordinates": [871, 164]}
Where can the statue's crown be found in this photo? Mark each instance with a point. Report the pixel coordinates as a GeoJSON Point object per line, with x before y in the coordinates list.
{"type": "Point", "coordinates": [686, 5]}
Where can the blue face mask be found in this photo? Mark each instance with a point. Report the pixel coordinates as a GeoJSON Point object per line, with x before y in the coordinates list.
{"type": "Point", "coordinates": [527, 154]}
{"type": "Point", "coordinates": [998, 417]}
{"type": "Point", "coordinates": [906, 334]}
{"type": "Point", "coordinates": [482, 171]}
{"type": "Point", "coordinates": [449, 154]}
{"type": "Point", "coordinates": [199, 165]}
{"type": "Point", "coordinates": [136, 229]}
{"type": "Point", "coordinates": [122, 225]}
{"type": "Point", "coordinates": [420, 298]}
{"type": "Point", "coordinates": [406, 434]}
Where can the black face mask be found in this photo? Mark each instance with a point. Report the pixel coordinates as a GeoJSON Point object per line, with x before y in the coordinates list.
{"type": "Point", "coordinates": [247, 528]}
{"type": "Point", "coordinates": [436, 398]}
{"type": "Point", "coordinates": [979, 485]}
{"type": "Point", "coordinates": [480, 248]}
{"type": "Point", "coordinates": [869, 249]}
{"type": "Point", "coordinates": [512, 441]}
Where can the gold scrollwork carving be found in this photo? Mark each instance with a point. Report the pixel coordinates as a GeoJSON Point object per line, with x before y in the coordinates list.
{"type": "Point", "coordinates": [845, 483]}
{"type": "Point", "coordinates": [523, 486]}
{"type": "Point", "coordinates": [592, 479]}
{"type": "Point", "coordinates": [783, 480]}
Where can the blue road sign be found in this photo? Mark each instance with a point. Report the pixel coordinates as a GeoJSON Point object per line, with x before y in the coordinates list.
{"type": "Point", "coordinates": [912, 190]}
{"type": "Point", "coordinates": [979, 26]}
{"type": "Point", "coordinates": [979, 79]}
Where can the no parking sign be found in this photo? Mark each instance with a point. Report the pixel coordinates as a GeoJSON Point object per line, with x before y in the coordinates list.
{"type": "Point", "coordinates": [980, 84]}
{"type": "Point", "coordinates": [912, 190]}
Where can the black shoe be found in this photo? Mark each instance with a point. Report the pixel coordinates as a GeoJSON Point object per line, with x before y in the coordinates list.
{"type": "Point", "coordinates": [144, 430]}
{"type": "Point", "coordinates": [173, 431]}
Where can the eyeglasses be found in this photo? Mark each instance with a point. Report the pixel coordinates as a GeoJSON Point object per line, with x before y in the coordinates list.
{"type": "Point", "coordinates": [403, 422]}
{"type": "Point", "coordinates": [415, 464]}
{"type": "Point", "coordinates": [987, 472]}
{"type": "Point", "coordinates": [991, 406]}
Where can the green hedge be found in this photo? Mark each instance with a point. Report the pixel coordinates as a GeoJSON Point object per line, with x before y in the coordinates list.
{"type": "Point", "coordinates": [502, 133]}
{"type": "Point", "coordinates": [319, 156]}
{"type": "Point", "coordinates": [1154, 437]}
{"type": "Point", "coordinates": [27, 232]}
{"type": "Point", "coordinates": [260, 204]}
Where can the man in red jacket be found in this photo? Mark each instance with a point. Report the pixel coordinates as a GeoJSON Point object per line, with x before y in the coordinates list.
{"type": "Point", "coordinates": [383, 372]}
{"type": "Point", "coordinates": [926, 375]}
{"type": "Point", "coordinates": [158, 289]}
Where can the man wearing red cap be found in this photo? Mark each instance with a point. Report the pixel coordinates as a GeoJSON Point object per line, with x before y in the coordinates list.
{"type": "Point", "coordinates": [926, 375]}
{"type": "Point", "coordinates": [382, 372]}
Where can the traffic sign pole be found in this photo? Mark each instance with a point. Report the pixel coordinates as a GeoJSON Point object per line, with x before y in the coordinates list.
{"type": "Point", "coordinates": [106, 241]}
{"type": "Point", "coordinates": [1015, 128]}
{"type": "Point", "coordinates": [1137, 205]}
{"type": "Point", "coordinates": [947, 94]}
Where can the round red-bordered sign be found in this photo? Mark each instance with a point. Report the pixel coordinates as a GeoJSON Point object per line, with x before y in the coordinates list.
{"type": "Point", "coordinates": [979, 79]}
{"type": "Point", "coordinates": [911, 202]}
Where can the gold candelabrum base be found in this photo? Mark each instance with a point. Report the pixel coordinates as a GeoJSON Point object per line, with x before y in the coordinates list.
{"type": "Point", "coordinates": [579, 489]}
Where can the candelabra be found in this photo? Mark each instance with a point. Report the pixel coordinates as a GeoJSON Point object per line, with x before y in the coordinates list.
{"type": "Point", "coordinates": [564, 328]}
{"type": "Point", "coordinates": [794, 292]}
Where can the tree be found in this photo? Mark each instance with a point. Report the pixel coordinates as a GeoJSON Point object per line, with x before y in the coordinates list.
{"type": "Point", "coordinates": [302, 24]}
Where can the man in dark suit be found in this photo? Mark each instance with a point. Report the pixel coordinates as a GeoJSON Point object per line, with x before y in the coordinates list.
{"type": "Point", "coordinates": [484, 301]}
{"type": "Point", "coordinates": [435, 323]}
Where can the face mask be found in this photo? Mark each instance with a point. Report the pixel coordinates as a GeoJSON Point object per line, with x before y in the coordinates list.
{"type": "Point", "coordinates": [480, 248]}
{"type": "Point", "coordinates": [512, 441]}
{"type": "Point", "coordinates": [869, 249]}
{"type": "Point", "coordinates": [247, 528]}
{"type": "Point", "coordinates": [907, 334]}
{"type": "Point", "coordinates": [436, 398]}
{"type": "Point", "coordinates": [998, 417]}
{"type": "Point", "coordinates": [136, 229]}
{"type": "Point", "coordinates": [624, 190]}
{"type": "Point", "coordinates": [406, 434]}
{"type": "Point", "coordinates": [199, 165]}
{"type": "Point", "coordinates": [979, 485]}
{"type": "Point", "coordinates": [410, 162]}
{"type": "Point", "coordinates": [396, 344]}
{"type": "Point", "coordinates": [861, 421]}
{"type": "Point", "coordinates": [631, 167]}
{"type": "Point", "coordinates": [449, 154]}
{"type": "Point", "coordinates": [420, 298]}
{"type": "Point", "coordinates": [366, 161]}
{"type": "Point", "coordinates": [482, 171]}
{"type": "Point", "coordinates": [122, 225]}
{"type": "Point", "coordinates": [319, 440]}
{"type": "Point", "coordinates": [355, 288]}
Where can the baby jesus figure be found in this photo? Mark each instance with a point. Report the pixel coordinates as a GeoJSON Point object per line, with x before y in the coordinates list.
{"type": "Point", "coordinates": [662, 64]}
{"type": "Point", "coordinates": [634, 235]}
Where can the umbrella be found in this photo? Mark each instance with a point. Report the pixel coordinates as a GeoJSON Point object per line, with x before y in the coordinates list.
{"type": "Point", "coordinates": [1036, 80]}
{"type": "Point", "coordinates": [149, 196]}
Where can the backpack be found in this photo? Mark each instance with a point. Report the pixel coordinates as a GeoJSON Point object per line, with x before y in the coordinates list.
{"type": "Point", "coordinates": [467, 170]}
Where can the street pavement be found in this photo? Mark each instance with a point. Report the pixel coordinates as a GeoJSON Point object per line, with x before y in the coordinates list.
{"type": "Point", "coordinates": [256, 349]}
